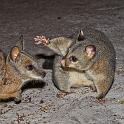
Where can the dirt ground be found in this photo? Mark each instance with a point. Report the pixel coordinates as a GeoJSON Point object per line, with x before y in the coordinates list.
{"type": "Point", "coordinates": [56, 18]}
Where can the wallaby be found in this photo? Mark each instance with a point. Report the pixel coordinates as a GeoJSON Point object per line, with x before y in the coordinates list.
{"type": "Point", "coordinates": [16, 69]}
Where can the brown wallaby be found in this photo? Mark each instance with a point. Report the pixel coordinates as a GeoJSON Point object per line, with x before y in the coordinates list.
{"type": "Point", "coordinates": [16, 69]}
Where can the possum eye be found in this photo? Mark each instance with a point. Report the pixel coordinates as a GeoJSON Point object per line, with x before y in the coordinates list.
{"type": "Point", "coordinates": [73, 59]}
{"type": "Point", "coordinates": [30, 67]}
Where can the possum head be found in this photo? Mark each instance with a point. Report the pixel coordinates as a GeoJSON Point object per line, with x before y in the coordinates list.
{"type": "Point", "coordinates": [79, 58]}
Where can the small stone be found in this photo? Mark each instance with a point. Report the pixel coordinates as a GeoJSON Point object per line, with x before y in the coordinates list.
{"type": "Point", "coordinates": [59, 17]}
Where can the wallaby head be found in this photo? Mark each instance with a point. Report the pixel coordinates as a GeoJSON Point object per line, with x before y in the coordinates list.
{"type": "Point", "coordinates": [24, 63]}
{"type": "Point", "coordinates": [80, 61]}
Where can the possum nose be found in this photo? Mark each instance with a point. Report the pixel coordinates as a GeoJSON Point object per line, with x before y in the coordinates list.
{"type": "Point", "coordinates": [62, 62]}
{"type": "Point", "coordinates": [43, 73]}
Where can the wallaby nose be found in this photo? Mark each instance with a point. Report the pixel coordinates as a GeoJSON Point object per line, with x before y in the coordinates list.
{"type": "Point", "coordinates": [43, 73]}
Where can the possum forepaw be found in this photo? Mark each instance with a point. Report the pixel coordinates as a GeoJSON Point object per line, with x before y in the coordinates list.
{"type": "Point", "coordinates": [61, 94]}
{"type": "Point", "coordinates": [41, 40]}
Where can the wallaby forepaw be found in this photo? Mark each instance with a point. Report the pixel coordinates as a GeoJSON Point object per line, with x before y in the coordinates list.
{"type": "Point", "coordinates": [41, 40]}
{"type": "Point", "coordinates": [17, 100]}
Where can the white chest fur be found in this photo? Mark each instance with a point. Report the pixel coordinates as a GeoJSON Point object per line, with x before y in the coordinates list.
{"type": "Point", "coordinates": [78, 79]}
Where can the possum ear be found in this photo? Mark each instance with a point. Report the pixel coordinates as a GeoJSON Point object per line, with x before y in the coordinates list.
{"type": "Point", "coordinates": [81, 36]}
{"type": "Point", "coordinates": [90, 51]}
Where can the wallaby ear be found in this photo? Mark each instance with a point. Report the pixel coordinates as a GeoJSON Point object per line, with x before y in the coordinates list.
{"type": "Point", "coordinates": [81, 36]}
{"type": "Point", "coordinates": [14, 53]}
{"type": "Point", "coordinates": [90, 51]}
{"type": "Point", "coordinates": [20, 43]}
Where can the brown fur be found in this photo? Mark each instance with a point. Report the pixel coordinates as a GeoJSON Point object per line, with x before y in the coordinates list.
{"type": "Point", "coordinates": [14, 74]}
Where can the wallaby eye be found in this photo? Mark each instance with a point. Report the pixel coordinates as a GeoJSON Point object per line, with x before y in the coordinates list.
{"type": "Point", "coordinates": [73, 59]}
{"type": "Point", "coordinates": [30, 67]}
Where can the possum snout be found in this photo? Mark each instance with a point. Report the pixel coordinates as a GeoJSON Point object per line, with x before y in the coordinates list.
{"type": "Point", "coordinates": [65, 62]}
{"type": "Point", "coordinates": [62, 62]}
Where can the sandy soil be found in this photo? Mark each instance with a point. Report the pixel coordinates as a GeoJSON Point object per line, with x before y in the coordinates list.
{"type": "Point", "coordinates": [57, 18]}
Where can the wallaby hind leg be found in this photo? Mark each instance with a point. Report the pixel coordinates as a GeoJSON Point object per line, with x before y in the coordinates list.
{"type": "Point", "coordinates": [15, 95]}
